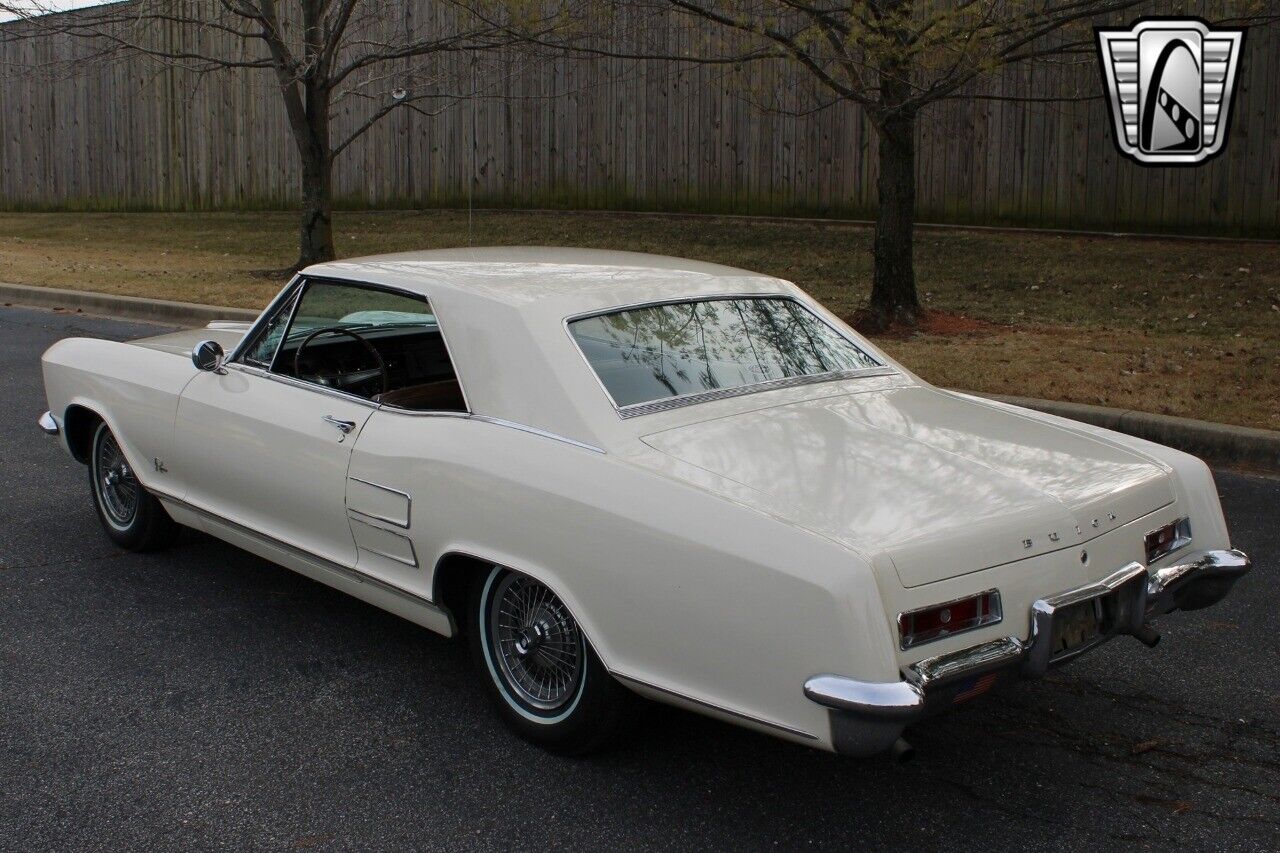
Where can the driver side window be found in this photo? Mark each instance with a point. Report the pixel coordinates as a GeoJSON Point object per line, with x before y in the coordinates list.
{"type": "Point", "coordinates": [379, 345]}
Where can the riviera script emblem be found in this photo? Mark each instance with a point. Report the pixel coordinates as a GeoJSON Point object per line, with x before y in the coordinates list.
{"type": "Point", "coordinates": [1170, 83]}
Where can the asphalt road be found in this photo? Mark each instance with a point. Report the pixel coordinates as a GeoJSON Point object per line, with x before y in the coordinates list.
{"type": "Point", "coordinates": [203, 698]}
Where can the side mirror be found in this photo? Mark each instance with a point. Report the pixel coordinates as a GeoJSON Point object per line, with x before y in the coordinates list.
{"type": "Point", "coordinates": [208, 355]}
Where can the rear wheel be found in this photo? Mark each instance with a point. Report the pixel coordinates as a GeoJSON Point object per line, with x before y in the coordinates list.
{"type": "Point", "coordinates": [540, 669]}
{"type": "Point", "coordinates": [130, 515]}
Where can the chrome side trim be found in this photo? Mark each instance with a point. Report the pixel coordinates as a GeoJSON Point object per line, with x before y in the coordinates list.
{"type": "Point", "coordinates": [719, 709]}
{"type": "Point", "coordinates": [668, 403]}
{"type": "Point", "coordinates": [49, 424]}
{"type": "Point", "coordinates": [532, 430]}
{"type": "Point", "coordinates": [336, 568]}
{"type": "Point", "coordinates": [408, 510]}
{"type": "Point", "coordinates": [412, 562]}
{"type": "Point", "coordinates": [374, 517]}
{"type": "Point", "coordinates": [638, 409]}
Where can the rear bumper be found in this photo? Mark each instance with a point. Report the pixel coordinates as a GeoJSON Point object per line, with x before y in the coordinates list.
{"type": "Point", "coordinates": [49, 424]}
{"type": "Point", "coordinates": [868, 717]}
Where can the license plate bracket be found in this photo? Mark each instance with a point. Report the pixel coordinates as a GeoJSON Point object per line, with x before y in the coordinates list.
{"type": "Point", "coordinates": [1076, 627]}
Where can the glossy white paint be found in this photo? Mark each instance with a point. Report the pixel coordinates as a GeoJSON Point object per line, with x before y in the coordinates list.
{"type": "Point", "coordinates": [257, 451]}
{"type": "Point", "coordinates": [717, 555]}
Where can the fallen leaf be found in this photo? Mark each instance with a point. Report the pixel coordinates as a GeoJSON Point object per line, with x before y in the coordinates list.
{"type": "Point", "coordinates": [1145, 746]}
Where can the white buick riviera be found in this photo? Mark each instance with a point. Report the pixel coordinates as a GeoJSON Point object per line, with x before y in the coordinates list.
{"type": "Point", "coordinates": [625, 474]}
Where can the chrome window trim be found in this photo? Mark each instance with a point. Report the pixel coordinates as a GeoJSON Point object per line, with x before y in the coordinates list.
{"type": "Point", "coordinates": [377, 407]}
{"type": "Point", "coordinates": [293, 302]}
{"type": "Point", "coordinates": [299, 383]}
{"type": "Point", "coordinates": [299, 282]}
{"type": "Point", "coordinates": [256, 327]}
{"type": "Point", "coordinates": [666, 403]}
{"type": "Point", "coordinates": [632, 410]}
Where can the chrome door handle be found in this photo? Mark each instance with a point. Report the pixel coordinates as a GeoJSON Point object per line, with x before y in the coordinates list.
{"type": "Point", "coordinates": [344, 427]}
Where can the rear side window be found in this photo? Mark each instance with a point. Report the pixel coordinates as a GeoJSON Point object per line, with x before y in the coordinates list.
{"type": "Point", "coordinates": [660, 352]}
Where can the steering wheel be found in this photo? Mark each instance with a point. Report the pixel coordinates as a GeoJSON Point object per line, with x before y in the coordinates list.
{"type": "Point", "coordinates": [340, 330]}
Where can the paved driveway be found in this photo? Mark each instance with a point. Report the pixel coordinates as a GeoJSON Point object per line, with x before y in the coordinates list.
{"type": "Point", "coordinates": [204, 698]}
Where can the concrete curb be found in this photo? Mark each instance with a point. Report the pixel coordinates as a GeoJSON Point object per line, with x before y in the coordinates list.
{"type": "Point", "coordinates": [126, 307]}
{"type": "Point", "coordinates": [859, 223]}
{"type": "Point", "coordinates": [1212, 441]}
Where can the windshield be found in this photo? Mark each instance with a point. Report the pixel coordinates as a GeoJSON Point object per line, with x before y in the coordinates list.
{"type": "Point", "coordinates": [658, 352]}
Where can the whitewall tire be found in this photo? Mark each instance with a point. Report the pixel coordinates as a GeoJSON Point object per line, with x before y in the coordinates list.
{"type": "Point", "coordinates": [546, 680]}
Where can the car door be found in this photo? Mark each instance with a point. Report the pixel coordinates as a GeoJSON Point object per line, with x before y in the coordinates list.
{"type": "Point", "coordinates": [263, 447]}
{"type": "Point", "coordinates": [271, 456]}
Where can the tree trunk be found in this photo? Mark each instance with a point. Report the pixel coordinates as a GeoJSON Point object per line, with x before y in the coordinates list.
{"type": "Point", "coordinates": [893, 283]}
{"type": "Point", "coordinates": [315, 242]}
{"type": "Point", "coordinates": [311, 133]}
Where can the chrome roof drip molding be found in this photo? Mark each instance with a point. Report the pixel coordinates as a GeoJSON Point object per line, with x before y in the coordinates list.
{"type": "Point", "coordinates": [669, 403]}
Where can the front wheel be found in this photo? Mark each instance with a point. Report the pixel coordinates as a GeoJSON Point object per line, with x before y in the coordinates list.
{"type": "Point", "coordinates": [130, 515]}
{"type": "Point", "coordinates": [548, 683]}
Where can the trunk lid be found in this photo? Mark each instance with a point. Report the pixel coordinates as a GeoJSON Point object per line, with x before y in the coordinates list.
{"type": "Point", "coordinates": [945, 486]}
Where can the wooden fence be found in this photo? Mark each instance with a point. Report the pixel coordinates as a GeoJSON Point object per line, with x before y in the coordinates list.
{"type": "Point", "coordinates": [128, 134]}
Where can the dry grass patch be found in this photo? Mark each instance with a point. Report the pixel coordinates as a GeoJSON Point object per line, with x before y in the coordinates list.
{"type": "Point", "coordinates": [1161, 325]}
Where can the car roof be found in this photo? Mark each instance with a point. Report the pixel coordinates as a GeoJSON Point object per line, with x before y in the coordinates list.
{"type": "Point", "coordinates": [556, 280]}
{"type": "Point", "coordinates": [502, 311]}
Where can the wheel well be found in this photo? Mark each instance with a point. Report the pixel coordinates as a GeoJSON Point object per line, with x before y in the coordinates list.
{"type": "Point", "coordinates": [79, 424]}
{"type": "Point", "coordinates": [451, 585]}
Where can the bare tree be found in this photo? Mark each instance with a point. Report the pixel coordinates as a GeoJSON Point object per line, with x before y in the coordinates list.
{"type": "Point", "coordinates": [319, 52]}
{"type": "Point", "coordinates": [892, 59]}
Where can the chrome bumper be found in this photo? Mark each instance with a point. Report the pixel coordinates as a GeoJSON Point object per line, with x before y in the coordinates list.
{"type": "Point", "coordinates": [868, 717]}
{"type": "Point", "coordinates": [49, 424]}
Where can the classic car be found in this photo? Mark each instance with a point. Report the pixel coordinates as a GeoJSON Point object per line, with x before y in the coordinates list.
{"type": "Point", "coordinates": [626, 475]}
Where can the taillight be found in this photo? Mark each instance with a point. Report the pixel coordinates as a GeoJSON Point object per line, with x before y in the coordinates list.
{"type": "Point", "coordinates": [954, 617]}
{"type": "Point", "coordinates": [1163, 541]}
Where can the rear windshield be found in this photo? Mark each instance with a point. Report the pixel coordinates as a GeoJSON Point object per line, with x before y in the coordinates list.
{"type": "Point", "coordinates": [657, 352]}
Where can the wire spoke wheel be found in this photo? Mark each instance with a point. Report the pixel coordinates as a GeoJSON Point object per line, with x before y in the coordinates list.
{"type": "Point", "coordinates": [538, 647]}
{"type": "Point", "coordinates": [117, 487]}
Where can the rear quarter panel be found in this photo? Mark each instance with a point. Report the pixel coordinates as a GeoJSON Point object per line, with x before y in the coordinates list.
{"type": "Point", "coordinates": [674, 586]}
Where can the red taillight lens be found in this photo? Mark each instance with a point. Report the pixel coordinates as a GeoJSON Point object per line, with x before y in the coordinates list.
{"type": "Point", "coordinates": [954, 617]}
{"type": "Point", "coordinates": [1165, 540]}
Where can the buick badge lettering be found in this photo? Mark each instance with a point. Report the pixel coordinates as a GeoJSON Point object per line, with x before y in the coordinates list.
{"type": "Point", "coordinates": [1170, 83]}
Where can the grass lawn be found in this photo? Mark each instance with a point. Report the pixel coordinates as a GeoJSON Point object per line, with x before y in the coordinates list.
{"type": "Point", "coordinates": [1176, 327]}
